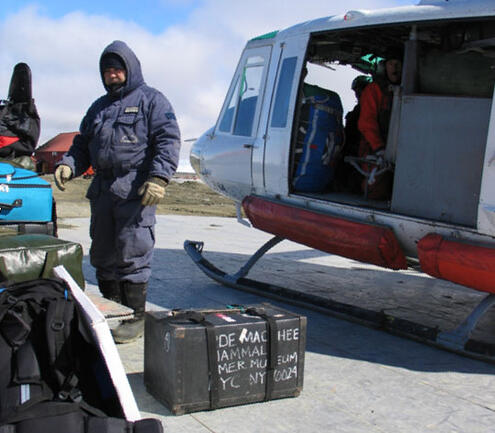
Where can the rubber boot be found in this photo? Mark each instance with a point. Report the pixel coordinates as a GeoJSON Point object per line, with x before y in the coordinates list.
{"type": "Point", "coordinates": [133, 296]}
{"type": "Point", "coordinates": [110, 289]}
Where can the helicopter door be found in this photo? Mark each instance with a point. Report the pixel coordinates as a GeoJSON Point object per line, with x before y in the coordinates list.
{"type": "Point", "coordinates": [280, 121]}
{"type": "Point", "coordinates": [236, 132]}
{"type": "Point", "coordinates": [486, 209]}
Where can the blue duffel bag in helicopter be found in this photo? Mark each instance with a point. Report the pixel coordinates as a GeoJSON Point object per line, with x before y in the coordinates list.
{"type": "Point", "coordinates": [24, 196]}
{"type": "Point", "coordinates": [320, 138]}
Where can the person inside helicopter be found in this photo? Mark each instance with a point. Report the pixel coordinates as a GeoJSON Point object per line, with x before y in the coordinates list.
{"type": "Point", "coordinates": [374, 119]}
{"type": "Point", "coordinates": [346, 179]}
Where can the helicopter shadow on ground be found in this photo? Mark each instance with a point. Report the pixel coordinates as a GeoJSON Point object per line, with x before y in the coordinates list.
{"type": "Point", "coordinates": [177, 282]}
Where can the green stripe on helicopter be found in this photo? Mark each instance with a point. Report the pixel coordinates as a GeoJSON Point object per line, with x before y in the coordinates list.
{"type": "Point", "coordinates": [265, 36]}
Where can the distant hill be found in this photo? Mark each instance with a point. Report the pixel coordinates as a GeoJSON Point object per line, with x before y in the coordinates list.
{"type": "Point", "coordinates": [181, 177]}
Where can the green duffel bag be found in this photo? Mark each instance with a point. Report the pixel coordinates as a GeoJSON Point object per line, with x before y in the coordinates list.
{"type": "Point", "coordinates": [32, 256]}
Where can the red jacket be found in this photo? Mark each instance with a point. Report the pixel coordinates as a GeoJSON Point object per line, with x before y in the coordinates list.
{"type": "Point", "coordinates": [374, 118]}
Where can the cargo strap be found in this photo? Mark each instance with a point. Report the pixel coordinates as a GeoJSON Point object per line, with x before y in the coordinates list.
{"type": "Point", "coordinates": [51, 260]}
{"type": "Point", "coordinates": [211, 347]}
{"type": "Point", "coordinates": [271, 348]}
{"type": "Point", "coordinates": [212, 364]}
{"type": "Point", "coordinates": [321, 104]}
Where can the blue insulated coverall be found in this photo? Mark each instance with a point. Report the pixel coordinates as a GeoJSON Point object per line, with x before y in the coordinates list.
{"type": "Point", "coordinates": [127, 136]}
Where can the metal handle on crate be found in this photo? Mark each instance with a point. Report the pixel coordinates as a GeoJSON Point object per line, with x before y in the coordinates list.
{"type": "Point", "coordinates": [17, 203]}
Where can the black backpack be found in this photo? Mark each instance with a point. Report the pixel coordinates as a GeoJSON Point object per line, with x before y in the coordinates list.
{"type": "Point", "coordinates": [19, 119]}
{"type": "Point", "coordinates": [52, 376]}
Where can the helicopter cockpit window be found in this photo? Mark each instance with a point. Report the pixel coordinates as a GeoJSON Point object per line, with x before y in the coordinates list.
{"type": "Point", "coordinates": [248, 98]}
{"type": "Point", "coordinates": [226, 123]}
{"type": "Point", "coordinates": [238, 117]}
{"type": "Point", "coordinates": [254, 60]}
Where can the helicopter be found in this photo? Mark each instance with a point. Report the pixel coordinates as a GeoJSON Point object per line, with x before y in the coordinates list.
{"type": "Point", "coordinates": [271, 152]}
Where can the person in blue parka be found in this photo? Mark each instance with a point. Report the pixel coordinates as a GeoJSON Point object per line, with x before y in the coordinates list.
{"type": "Point", "coordinates": [131, 139]}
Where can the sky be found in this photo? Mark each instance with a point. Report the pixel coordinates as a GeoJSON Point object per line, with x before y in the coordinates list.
{"type": "Point", "coordinates": [188, 50]}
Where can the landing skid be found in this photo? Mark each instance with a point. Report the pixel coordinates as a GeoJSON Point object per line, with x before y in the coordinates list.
{"type": "Point", "coordinates": [457, 341]}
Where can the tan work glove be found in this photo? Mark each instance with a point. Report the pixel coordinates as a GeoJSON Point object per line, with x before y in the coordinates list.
{"type": "Point", "coordinates": [62, 174]}
{"type": "Point", "coordinates": [153, 190]}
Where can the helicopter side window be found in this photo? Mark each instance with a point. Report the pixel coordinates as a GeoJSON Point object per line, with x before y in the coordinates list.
{"type": "Point", "coordinates": [463, 65]}
{"type": "Point", "coordinates": [281, 108]}
{"type": "Point", "coordinates": [451, 73]}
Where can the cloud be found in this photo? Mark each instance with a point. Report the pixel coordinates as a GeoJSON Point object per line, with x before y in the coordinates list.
{"type": "Point", "coordinates": [191, 63]}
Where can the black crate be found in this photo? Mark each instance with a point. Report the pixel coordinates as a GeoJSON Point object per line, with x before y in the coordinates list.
{"type": "Point", "coordinates": [245, 365]}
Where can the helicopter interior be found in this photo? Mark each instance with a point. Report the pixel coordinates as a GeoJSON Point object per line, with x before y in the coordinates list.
{"type": "Point", "coordinates": [438, 124]}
